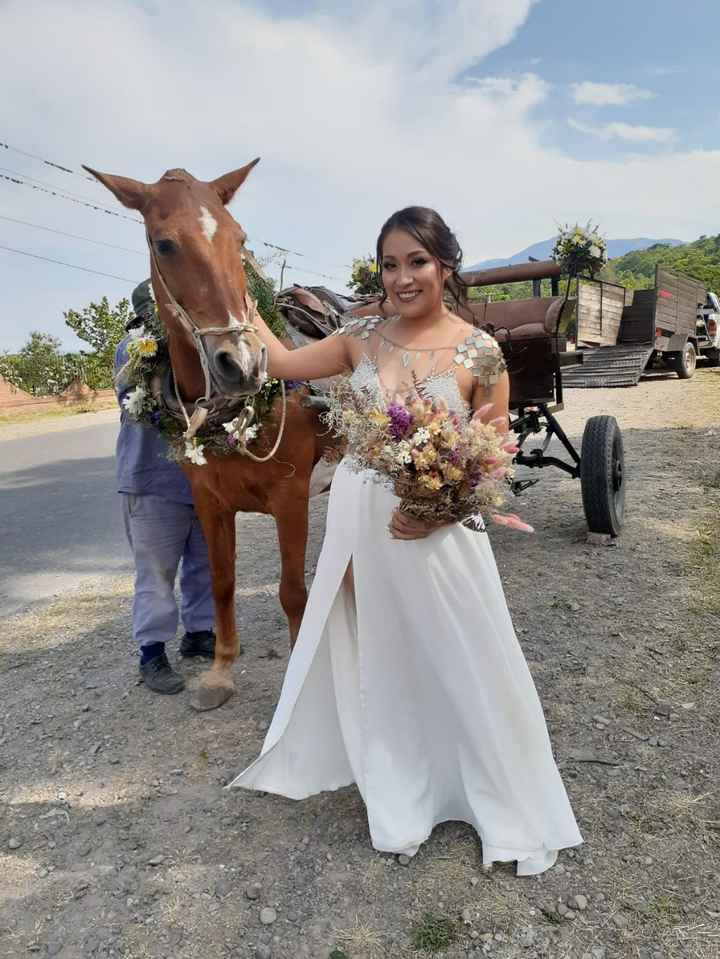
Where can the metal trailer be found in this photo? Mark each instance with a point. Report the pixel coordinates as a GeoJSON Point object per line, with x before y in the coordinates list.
{"type": "Point", "coordinates": [621, 332]}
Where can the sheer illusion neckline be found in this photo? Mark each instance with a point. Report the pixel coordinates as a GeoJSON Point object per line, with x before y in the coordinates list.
{"type": "Point", "coordinates": [414, 349]}
{"type": "Point", "coordinates": [420, 386]}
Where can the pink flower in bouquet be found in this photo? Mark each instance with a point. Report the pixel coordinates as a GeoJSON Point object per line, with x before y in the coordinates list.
{"type": "Point", "coordinates": [512, 521]}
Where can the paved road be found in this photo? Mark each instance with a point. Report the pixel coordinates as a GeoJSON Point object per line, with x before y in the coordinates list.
{"type": "Point", "coordinates": [60, 522]}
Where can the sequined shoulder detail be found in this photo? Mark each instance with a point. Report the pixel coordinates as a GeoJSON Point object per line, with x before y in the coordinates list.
{"type": "Point", "coordinates": [361, 327]}
{"type": "Point", "coordinates": [365, 378]}
{"type": "Point", "coordinates": [480, 353]}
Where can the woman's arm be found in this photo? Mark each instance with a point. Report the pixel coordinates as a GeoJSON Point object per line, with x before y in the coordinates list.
{"type": "Point", "coordinates": [497, 400]}
{"type": "Point", "coordinates": [327, 357]}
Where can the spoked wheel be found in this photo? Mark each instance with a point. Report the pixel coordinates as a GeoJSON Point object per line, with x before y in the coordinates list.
{"type": "Point", "coordinates": [602, 475]}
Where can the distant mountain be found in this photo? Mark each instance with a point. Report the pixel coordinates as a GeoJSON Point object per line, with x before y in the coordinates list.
{"type": "Point", "coordinates": [542, 251]}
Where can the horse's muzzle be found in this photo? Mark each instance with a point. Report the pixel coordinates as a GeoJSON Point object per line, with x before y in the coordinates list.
{"type": "Point", "coordinates": [239, 370]}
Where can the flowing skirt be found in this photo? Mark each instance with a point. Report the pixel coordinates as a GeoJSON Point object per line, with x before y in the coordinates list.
{"type": "Point", "coordinates": [408, 680]}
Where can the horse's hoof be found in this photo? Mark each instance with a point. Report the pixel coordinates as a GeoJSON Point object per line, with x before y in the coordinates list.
{"type": "Point", "coordinates": [211, 695]}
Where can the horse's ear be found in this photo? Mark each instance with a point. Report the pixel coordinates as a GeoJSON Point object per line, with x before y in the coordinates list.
{"type": "Point", "coordinates": [226, 186]}
{"type": "Point", "coordinates": [131, 193]}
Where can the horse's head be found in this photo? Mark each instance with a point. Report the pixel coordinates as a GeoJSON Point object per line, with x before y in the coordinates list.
{"type": "Point", "coordinates": [198, 278]}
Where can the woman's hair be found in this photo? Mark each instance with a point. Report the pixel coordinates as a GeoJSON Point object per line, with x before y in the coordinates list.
{"type": "Point", "coordinates": [434, 235]}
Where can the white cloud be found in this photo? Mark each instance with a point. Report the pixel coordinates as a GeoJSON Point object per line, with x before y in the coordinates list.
{"type": "Point", "coordinates": [666, 70]}
{"type": "Point", "coordinates": [632, 133]}
{"type": "Point", "coordinates": [354, 113]}
{"type": "Point", "coordinates": [524, 92]}
{"type": "Point", "coordinates": [608, 94]}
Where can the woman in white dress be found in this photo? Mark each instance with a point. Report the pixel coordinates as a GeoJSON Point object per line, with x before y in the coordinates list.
{"type": "Point", "coordinates": [407, 677]}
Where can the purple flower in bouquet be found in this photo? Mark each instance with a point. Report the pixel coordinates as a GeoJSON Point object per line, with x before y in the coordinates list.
{"type": "Point", "coordinates": [400, 420]}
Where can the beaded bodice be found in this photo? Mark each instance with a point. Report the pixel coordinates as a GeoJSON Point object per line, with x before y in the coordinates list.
{"type": "Point", "coordinates": [440, 386]}
{"type": "Point", "coordinates": [431, 373]}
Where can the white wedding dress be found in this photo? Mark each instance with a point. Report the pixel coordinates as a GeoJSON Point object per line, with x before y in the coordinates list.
{"type": "Point", "coordinates": [408, 680]}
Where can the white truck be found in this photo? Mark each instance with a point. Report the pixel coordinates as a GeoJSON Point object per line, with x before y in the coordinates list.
{"type": "Point", "coordinates": [708, 329]}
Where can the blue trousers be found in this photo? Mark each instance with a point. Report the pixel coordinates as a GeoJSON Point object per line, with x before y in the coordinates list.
{"type": "Point", "coordinates": [161, 534]}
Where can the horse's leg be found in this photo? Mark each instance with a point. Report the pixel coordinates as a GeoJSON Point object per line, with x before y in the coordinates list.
{"type": "Point", "coordinates": [291, 519]}
{"type": "Point", "coordinates": [216, 685]}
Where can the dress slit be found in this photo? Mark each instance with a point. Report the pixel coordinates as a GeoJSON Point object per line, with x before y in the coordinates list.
{"type": "Point", "coordinates": [408, 680]}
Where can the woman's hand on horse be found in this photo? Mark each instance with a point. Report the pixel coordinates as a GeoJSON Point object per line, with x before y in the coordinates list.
{"type": "Point", "coordinates": [404, 526]}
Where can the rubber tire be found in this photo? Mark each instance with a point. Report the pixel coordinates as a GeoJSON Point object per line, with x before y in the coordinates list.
{"type": "Point", "coordinates": [602, 475]}
{"type": "Point", "coordinates": [686, 362]}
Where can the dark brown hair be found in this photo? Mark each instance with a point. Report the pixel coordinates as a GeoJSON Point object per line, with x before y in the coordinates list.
{"type": "Point", "coordinates": [434, 235]}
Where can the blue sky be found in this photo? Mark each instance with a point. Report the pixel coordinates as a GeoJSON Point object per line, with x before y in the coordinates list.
{"type": "Point", "coordinates": [665, 49]}
{"type": "Point", "coordinates": [508, 116]}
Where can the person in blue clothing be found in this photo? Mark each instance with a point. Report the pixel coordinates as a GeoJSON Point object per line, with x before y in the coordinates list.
{"type": "Point", "coordinates": [164, 532]}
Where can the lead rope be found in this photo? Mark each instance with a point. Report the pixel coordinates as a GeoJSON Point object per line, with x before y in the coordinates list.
{"type": "Point", "coordinates": [200, 413]}
{"type": "Point", "coordinates": [278, 439]}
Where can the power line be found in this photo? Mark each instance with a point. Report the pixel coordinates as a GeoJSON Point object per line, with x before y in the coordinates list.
{"type": "Point", "coordinates": [73, 236]}
{"type": "Point", "coordinates": [50, 186]}
{"type": "Point", "coordinates": [125, 249]}
{"type": "Point", "coordinates": [91, 179]}
{"type": "Point", "coordinates": [302, 269]}
{"type": "Point", "coordinates": [43, 188]}
{"type": "Point", "coordinates": [64, 196]}
{"type": "Point", "coordinates": [50, 163]}
{"type": "Point", "coordinates": [72, 266]}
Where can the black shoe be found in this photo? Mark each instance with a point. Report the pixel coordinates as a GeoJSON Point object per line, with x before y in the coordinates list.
{"type": "Point", "coordinates": [198, 644]}
{"type": "Point", "coordinates": [159, 676]}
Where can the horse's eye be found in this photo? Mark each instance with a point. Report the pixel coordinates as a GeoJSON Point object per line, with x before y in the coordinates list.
{"type": "Point", "coordinates": [165, 246]}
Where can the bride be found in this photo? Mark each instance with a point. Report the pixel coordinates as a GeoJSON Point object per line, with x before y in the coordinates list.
{"type": "Point", "coordinates": [407, 677]}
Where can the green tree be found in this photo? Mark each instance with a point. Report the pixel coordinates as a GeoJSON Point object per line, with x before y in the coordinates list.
{"type": "Point", "coordinates": [39, 368]}
{"type": "Point", "coordinates": [261, 290]}
{"type": "Point", "coordinates": [102, 326]}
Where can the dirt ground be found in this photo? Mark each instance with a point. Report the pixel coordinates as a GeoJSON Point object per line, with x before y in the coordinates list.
{"type": "Point", "coordinates": [117, 839]}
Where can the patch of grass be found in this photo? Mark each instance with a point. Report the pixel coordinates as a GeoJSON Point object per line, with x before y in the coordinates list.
{"type": "Point", "coordinates": [360, 942]}
{"type": "Point", "coordinates": [705, 563]}
{"type": "Point", "coordinates": [433, 932]}
{"type": "Point", "coordinates": [51, 413]}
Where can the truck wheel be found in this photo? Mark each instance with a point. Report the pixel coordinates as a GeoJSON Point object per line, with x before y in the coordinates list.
{"type": "Point", "coordinates": [602, 475]}
{"type": "Point", "coordinates": [686, 362]}
{"type": "Point", "coordinates": [713, 357]}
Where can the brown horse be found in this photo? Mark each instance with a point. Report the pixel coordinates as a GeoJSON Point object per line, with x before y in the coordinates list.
{"type": "Point", "coordinates": [196, 250]}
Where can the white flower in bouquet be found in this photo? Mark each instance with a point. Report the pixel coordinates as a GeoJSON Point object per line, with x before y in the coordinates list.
{"type": "Point", "coordinates": [133, 402]}
{"type": "Point", "coordinates": [238, 434]}
{"type": "Point", "coordinates": [195, 452]}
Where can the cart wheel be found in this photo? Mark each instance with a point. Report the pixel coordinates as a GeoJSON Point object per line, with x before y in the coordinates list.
{"type": "Point", "coordinates": [602, 475]}
{"type": "Point", "coordinates": [686, 362]}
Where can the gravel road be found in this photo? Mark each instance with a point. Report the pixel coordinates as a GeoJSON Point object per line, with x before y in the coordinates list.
{"type": "Point", "coordinates": [118, 841]}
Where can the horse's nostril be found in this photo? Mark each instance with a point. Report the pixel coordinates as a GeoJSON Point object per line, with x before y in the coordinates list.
{"type": "Point", "coordinates": [228, 367]}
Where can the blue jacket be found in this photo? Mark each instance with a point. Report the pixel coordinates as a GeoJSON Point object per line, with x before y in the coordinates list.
{"type": "Point", "coordinates": [142, 466]}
